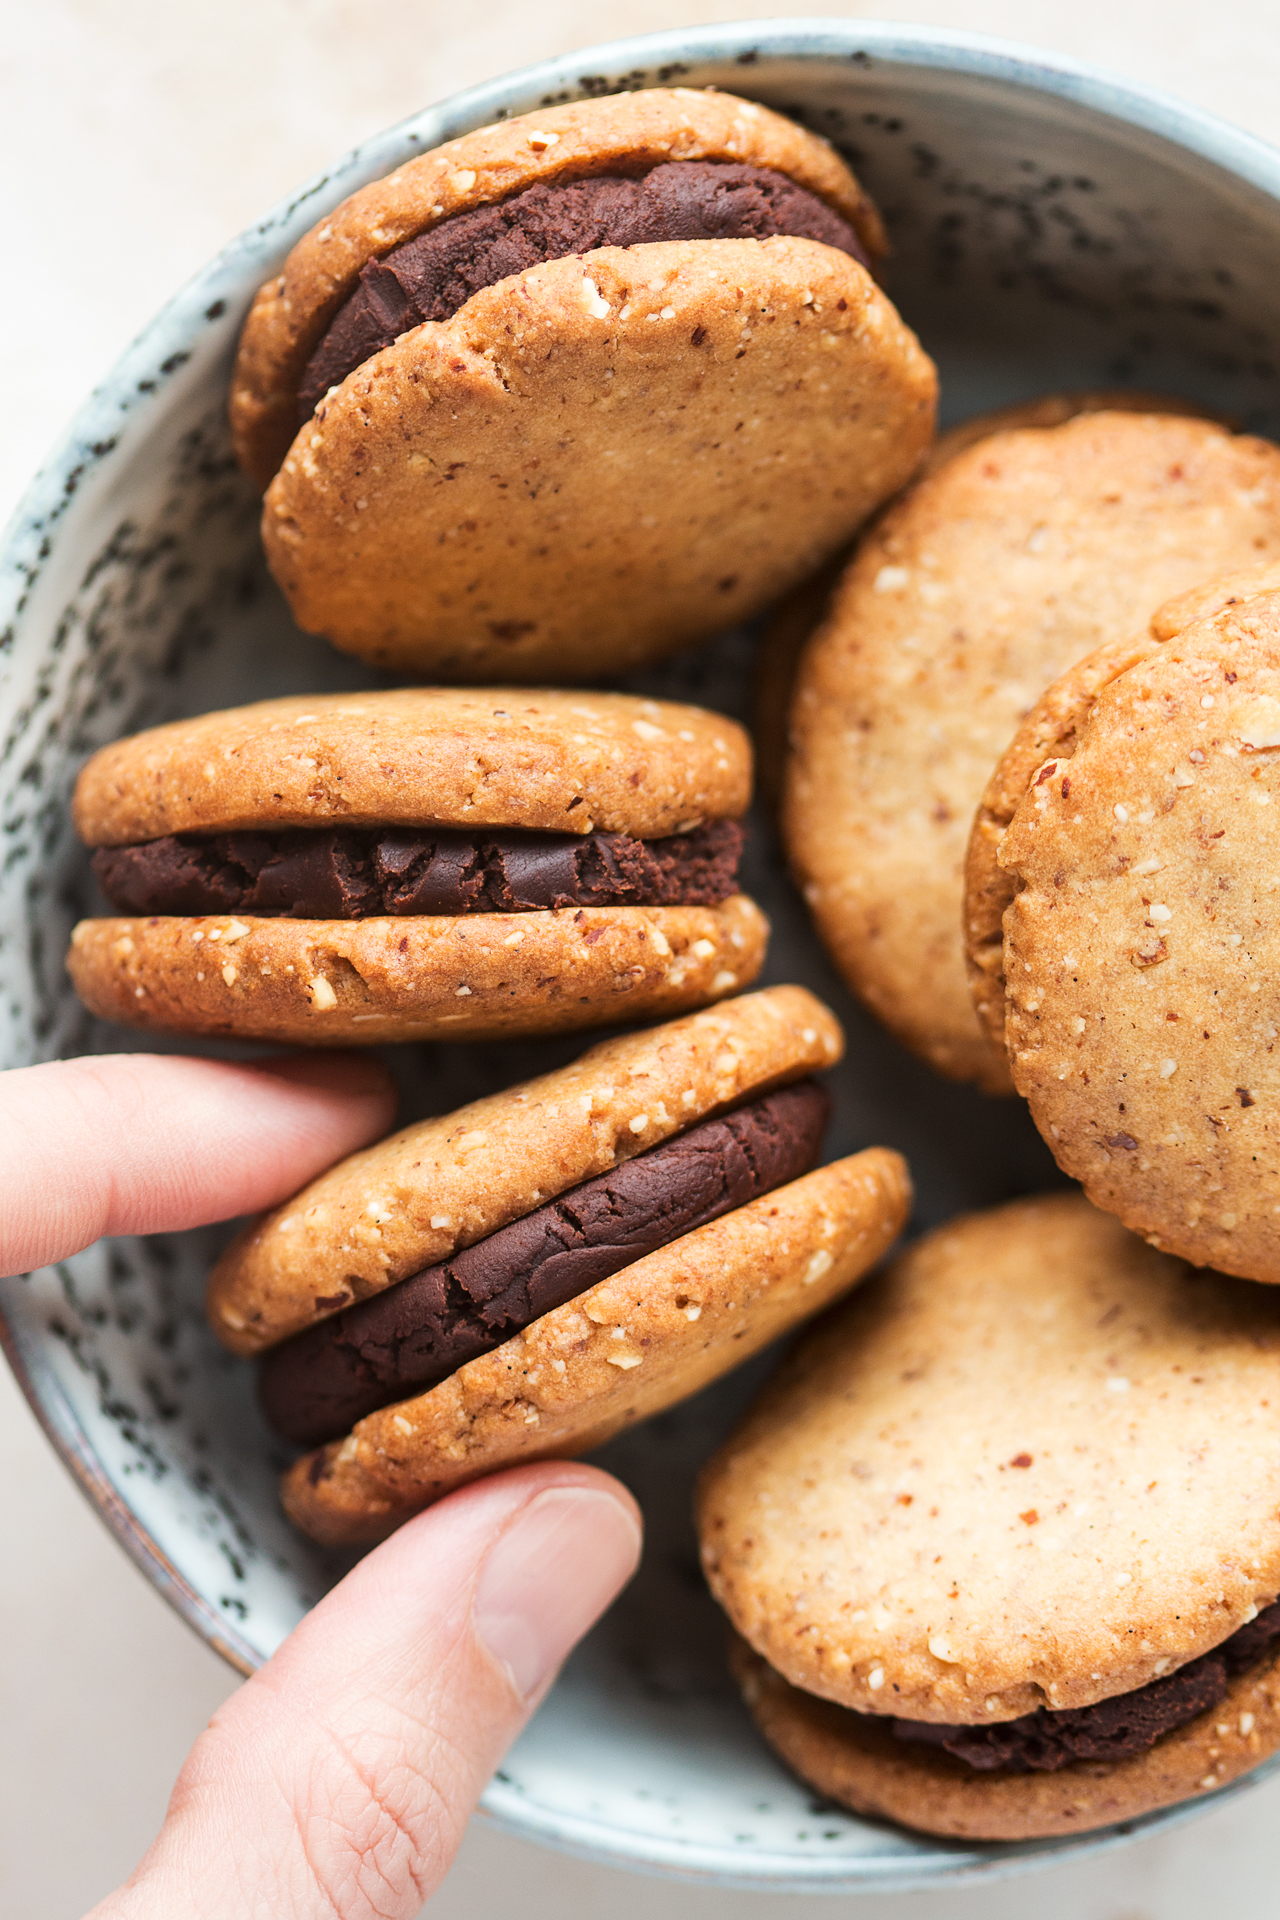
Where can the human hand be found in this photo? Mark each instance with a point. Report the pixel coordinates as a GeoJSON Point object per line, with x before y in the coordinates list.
{"type": "Point", "coordinates": [336, 1784]}
{"type": "Point", "coordinates": [338, 1780]}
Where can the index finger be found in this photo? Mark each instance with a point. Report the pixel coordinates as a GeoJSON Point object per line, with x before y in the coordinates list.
{"type": "Point", "coordinates": [151, 1143]}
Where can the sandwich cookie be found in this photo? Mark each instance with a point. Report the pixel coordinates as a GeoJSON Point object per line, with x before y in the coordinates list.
{"type": "Point", "coordinates": [421, 864]}
{"type": "Point", "coordinates": [1001, 1541]}
{"type": "Point", "coordinates": [1140, 948]}
{"type": "Point", "coordinates": [1014, 557]}
{"type": "Point", "coordinates": [526, 1276]}
{"type": "Point", "coordinates": [577, 389]}
{"type": "Point", "coordinates": [1049, 732]}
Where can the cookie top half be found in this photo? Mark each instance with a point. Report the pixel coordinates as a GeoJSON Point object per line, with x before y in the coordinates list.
{"type": "Point", "coordinates": [1141, 947]}
{"type": "Point", "coordinates": [625, 134]}
{"type": "Point", "coordinates": [1037, 1463]}
{"type": "Point", "coordinates": [599, 459]}
{"type": "Point", "coordinates": [553, 761]}
{"type": "Point", "coordinates": [1017, 556]}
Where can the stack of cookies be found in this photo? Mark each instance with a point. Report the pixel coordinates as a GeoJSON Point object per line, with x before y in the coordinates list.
{"type": "Point", "coordinates": [544, 405]}
{"type": "Point", "coordinates": [999, 1544]}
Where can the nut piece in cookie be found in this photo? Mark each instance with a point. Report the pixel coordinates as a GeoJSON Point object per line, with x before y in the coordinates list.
{"type": "Point", "coordinates": [528, 1275]}
{"type": "Point", "coordinates": [577, 389]}
{"type": "Point", "coordinates": [421, 864]}
{"type": "Point", "coordinates": [1001, 1540]}
{"type": "Point", "coordinates": [1140, 949]}
{"type": "Point", "coordinates": [1016, 556]}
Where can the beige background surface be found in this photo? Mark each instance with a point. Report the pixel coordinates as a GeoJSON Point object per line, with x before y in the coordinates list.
{"type": "Point", "coordinates": [135, 137]}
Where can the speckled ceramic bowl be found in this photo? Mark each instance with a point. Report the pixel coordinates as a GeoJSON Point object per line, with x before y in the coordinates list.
{"type": "Point", "coordinates": [1052, 228]}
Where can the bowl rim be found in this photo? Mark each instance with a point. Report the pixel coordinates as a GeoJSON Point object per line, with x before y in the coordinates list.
{"type": "Point", "coordinates": [140, 382]}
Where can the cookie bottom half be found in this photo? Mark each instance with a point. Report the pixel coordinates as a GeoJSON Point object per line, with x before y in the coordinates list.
{"type": "Point", "coordinates": [629, 1347]}
{"type": "Point", "coordinates": [847, 1757]}
{"type": "Point", "coordinates": [470, 977]}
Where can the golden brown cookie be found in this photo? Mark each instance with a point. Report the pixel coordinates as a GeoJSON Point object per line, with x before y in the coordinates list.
{"type": "Point", "coordinates": [603, 453]}
{"type": "Point", "coordinates": [854, 1760]}
{"type": "Point", "coordinates": [440, 756]}
{"type": "Point", "coordinates": [632, 1345]}
{"type": "Point", "coordinates": [429, 977]}
{"type": "Point", "coordinates": [443, 1184]}
{"type": "Point", "coordinates": [1138, 949]}
{"type": "Point", "coordinates": [1049, 732]}
{"type": "Point", "coordinates": [1031, 1469]}
{"type": "Point", "coordinates": [624, 134]}
{"type": "Point", "coordinates": [1013, 559]}
{"type": "Point", "coordinates": [418, 864]}
{"type": "Point", "coordinates": [614, 455]}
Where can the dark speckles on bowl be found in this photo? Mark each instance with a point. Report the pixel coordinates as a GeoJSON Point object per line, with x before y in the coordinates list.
{"type": "Point", "coordinates": [1051, 228]}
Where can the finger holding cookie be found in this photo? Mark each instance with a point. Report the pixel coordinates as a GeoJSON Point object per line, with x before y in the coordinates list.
{"type": "Point", "coordinates": [527, 1276]}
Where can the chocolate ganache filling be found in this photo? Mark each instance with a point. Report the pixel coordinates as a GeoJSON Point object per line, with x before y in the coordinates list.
{"type": "Point", "coordinates": [430, 277]}
{"type": "Point", "coordinates": [352, 873]}
{"type": "Point", "coordinates": [316, 1385]}
{"type": "Point", "coordinates": [1112, 1729]}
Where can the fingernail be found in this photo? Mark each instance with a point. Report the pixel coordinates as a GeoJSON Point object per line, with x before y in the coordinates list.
{"type": "Point", "coordinates": [549, 1576]}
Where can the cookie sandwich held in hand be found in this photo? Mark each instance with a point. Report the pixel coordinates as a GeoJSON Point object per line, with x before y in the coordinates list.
{"type": "Point", "coordinates": [425, 863]}
{"type": "Point", "coordinates": [1000, 1543]}
{"type": "Point", "coordinates": [1140, 947]}
{"type": "Point", "coordinates": [1021, 549]}
{"type": "Point", "coordinates": [577, 389]}
{"type": "Point", "coordinates": [527, 1276]}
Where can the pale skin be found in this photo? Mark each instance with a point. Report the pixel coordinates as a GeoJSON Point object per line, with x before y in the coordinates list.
{"type": "Point", "coordinates": [336, 1783]}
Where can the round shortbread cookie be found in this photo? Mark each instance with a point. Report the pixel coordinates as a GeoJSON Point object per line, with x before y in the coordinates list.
{"type": "Point", "coordinates": [850, 1759]}
{"type": "Point", "coordinates": [1049, 732]}
{"type": "Point", "coordinates": [599, 460]}
{"type": "Point", "coordinates": [476, 976]}
{"type": "Point", "coordinates": [1014, 558]}
{"type": "Point", "coordinates": [1140, 947]}
{"type": "Point", "coordinates": [442, 1184]}
{"type": "Point", "coordinates": [802, 612]}
{"type": "Point", "coordinates": [1037, 1464]}
{"type": "Point", "coordinates": [628, 1347]}
{"type": "Point", "coordinates": [624, 133]}
{"type": "Point", "coordinates": [432, 756]}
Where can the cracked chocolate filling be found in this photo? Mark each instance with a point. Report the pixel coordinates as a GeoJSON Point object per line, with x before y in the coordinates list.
{"type": "Point", "coordinates": [316, 1385]}
{"type": "Point", "coordinates": [1112, 1729]}
{"type": "Point", "coordinates": [430, 277]}
{"type": "Point", "coordinates": [351, 873]}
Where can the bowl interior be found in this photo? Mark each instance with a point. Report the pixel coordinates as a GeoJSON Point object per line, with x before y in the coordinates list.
{"type": "Point", "coordinates": [1050, 230]}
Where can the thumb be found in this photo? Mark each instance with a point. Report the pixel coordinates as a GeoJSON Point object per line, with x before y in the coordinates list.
{"type": "Point", "coordinates": [339, 1779]}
